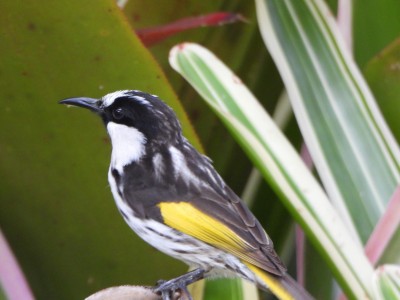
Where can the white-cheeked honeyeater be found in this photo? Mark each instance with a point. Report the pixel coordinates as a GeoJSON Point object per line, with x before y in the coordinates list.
{"type": "Point", "coordinates": [173, 198]}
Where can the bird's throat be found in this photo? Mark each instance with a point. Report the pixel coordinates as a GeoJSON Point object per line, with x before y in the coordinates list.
{"type": "Point", "coordinates": [128, 145]}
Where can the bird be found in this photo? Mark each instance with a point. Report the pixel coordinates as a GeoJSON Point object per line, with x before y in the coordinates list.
{"type": "Point", "coordinates": [173, 198]}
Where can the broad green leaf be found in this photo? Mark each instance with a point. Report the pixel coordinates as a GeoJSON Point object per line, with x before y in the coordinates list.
{"type": "Point", "coordinates": [382, 73]}
{"type": "Point", "coordinates": [56, 209]}
{"type": "Point", "coordinates": [2, 294]}
{"type": "Point", "coordinates": [354, 152]}
{"type": "Point", "coordinates": [278, 162]}
{"type": "Point", "coordinates": [386, 282]}
{"type": "Point", "coordinates": [376, 24]}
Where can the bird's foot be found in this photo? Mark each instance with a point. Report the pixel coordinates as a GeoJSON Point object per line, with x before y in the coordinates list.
{"type": "Point", "coordinates": [169, 289]}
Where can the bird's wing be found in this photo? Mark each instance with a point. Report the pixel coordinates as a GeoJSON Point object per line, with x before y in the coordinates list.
{"type": "Point", "coordinates": [224, 223]}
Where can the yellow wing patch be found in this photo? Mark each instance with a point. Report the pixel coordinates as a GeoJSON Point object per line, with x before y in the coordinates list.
{"type": "Point", "coordinates": [188, 219]}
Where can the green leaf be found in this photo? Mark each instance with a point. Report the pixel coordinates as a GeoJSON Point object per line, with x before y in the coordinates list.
{"type": "Point", "coordinates": [56, 208]}
{"type": "Point", "coordinates": [391, 253]}
{"type": "Point", "coordinates": [376, 24]}
{"type": "Point", "coordinates": [319, 279]}
{"type": "Point", "coordinates": [382, 73]}
{"type": "Point", "coordinates": [353, 150]}
{"type": "Point", "coordinates": [277, 161]}
{"type": "Point", "coordinates": [2, 294]}
{"type": "Point", "coordinates": [224, 289]}
{"type": "Point", "coordinates": [386, 282]}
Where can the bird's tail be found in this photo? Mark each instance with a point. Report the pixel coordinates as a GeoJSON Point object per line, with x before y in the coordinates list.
{"type": "Point", "coordinates": [284, 287]}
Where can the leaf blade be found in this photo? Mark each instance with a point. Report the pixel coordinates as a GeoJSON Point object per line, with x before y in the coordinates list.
{"type": "Point", "coordinates": [276, 158]}
{"type": "Point", "coordinates": [354, 151]}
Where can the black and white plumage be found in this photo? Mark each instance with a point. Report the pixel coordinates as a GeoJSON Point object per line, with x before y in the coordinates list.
{"type": "Point", "coordinates": [157, 178]}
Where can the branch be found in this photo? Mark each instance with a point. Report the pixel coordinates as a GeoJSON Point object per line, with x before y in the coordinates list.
{"type": "Point", "coordinates": [126, 292]}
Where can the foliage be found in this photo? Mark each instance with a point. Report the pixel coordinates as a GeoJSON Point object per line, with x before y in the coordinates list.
{"type": "Point", "coordinates": [56, 210]}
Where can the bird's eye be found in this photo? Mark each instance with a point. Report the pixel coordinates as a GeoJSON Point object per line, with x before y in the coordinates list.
{"type": "Point", "coordinates": [118, 113]}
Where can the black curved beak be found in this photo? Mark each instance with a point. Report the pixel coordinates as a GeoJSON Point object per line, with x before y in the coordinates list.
{"type": "Point", "coordinates": [89, 103]}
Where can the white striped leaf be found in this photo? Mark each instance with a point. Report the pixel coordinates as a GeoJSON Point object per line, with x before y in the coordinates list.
{"type": "Point", "coordinates": [386, 282]}
{"type": "Point", "coordinates": [353, 150]}
{"type": "Point", "coordinates": [277, 161]}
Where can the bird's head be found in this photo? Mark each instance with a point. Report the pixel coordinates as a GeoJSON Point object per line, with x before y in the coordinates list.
{"type": "Point", "coordinates": [134, 118]}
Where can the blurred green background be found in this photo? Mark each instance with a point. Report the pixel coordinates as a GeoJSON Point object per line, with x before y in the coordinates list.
{"type": "Point", "coordinates": [56, 209]}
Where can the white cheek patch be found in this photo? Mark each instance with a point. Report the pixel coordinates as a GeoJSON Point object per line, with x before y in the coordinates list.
{"type": "Point", "coordinates": [128, 145]}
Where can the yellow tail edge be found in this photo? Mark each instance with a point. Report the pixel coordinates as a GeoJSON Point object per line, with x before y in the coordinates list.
{"type": "Point", "coordinates": [274, 284]}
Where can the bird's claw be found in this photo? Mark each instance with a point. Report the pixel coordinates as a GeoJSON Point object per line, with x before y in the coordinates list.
{"type": "Point", "coordinates": [173, 290]}
{"type": "Point", "coordinates": [176, 288]}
